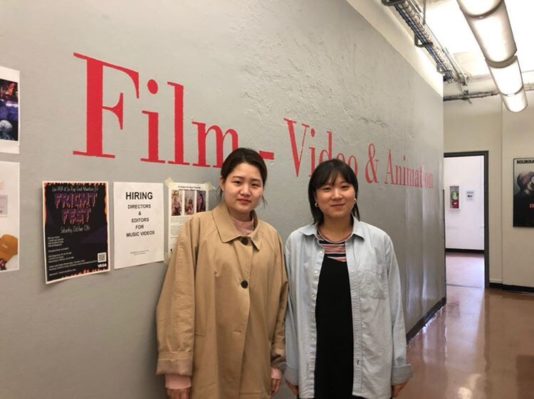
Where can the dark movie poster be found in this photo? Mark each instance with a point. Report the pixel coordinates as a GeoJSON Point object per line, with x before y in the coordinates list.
{"type": "Point", "coordinates": [524, 192]}
{"type": "Point", "coordinates": [75, 223]}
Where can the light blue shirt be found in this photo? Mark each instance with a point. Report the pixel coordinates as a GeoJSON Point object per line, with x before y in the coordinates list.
{"type": "Point", "coordinates": [377, 312]}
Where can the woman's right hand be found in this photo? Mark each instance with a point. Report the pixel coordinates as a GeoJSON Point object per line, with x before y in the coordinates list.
{"type": "Point", "coordinates": [294, 388]}
{"type": "Point", "coordinates": [179, 393]}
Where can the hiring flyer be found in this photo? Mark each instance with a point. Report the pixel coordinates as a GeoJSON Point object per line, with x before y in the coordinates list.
{"type": "Point", "coordinates": [76, 229]}
{"type": "Point", "coordinates": [138, 220]}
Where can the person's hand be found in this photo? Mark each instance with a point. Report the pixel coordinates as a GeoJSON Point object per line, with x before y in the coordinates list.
{"type": "Point", "coordinates": [395, 389]}
{"type": "Point", "coordinates": [294, 388]}
{"type": "Point", "coordinates": [276, 379]}
{"type": "Point", "coordinates": [179, 393]}
{"type": "Point", "coordinates": [275, 385]}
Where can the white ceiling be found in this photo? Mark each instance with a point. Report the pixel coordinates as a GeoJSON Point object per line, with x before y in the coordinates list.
{"type": "Point", "coordinates": [448, 24]}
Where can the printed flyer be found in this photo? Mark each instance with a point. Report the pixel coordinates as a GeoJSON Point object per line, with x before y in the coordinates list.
{"type": "Point", "coordinates": [9, 111]}
{"type": "Point", "coordinates": [138, 220]}
{"type": "Point", "coordinates": [185, 199]}
{"type": "Point", "coordinates": [76, 229]}
{"type": "Point", "coordinates": [9, 216]}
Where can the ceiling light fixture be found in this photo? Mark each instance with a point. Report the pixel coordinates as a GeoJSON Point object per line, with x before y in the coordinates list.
{"type": "Point", "coordinates": [488, 19]}
{"type": "Point", "coordinates": [491, 29]}
{"type": "Point", "coordinates": [478, 7]}
{"type": "Point", "coordinates": [516, 102]}
{"type": "Point", "coordinates": [507, 76]}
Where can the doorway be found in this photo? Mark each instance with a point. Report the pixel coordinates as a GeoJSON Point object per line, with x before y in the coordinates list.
{"type": "Point", "coordinates": [466, 218]}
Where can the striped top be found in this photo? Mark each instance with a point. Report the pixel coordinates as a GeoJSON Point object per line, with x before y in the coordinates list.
{"type": "Point", "coordinates": [334, 249]}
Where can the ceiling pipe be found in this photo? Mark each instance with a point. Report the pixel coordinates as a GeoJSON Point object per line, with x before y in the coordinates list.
{"type": "Point", "coordinates": [468, 95]}
{"type": "Point", "coordinates": [424, 38]}
{"type": "Point", "coordinates": [480, 94]}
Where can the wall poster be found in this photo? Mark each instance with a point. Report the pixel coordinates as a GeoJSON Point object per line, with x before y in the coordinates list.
{"type": "Point", "coordinates": [470, 195]}
{"type": "Point", "coordinates": [9, 111]}
{"type": "Point", "coordinates": [138, 220]}
{"type": "Point", "coordinates": [455, 197]}
{"type": "Point", "coordinates": [523, 192]}
{"type": "Point", "coordinates": [76, 229]}
{"type": "Point", "coordinates": [185, 199]}
{"type": "Point", "coordinates": [9, 216]}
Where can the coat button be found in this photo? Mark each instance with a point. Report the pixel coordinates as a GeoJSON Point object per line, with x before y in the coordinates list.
{"type": "Point", "coordinates": [244, 240]}
{"type": "Point", "coordinates": [244, 283]}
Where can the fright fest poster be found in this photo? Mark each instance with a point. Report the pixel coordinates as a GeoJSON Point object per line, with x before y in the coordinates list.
{"type": "Point", "coordinates": [76, 233]}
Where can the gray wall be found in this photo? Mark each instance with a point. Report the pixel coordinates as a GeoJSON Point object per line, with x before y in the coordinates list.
{"type": "Point", "coordinates": [245, 65]}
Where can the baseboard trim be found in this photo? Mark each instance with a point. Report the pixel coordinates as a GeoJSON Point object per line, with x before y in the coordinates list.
{"type": "Point", "coordinates": [425, 319]}
{"type": "Point", "coordinates": [465, 251]}
{"type": "Point", "coordinates": [513, 288]}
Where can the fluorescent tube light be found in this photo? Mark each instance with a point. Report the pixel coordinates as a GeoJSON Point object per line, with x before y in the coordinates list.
{"type": "Point", "coordinates": [516, 102]}
{"type": "Point", "coordinates": [494, 34]}
{"type": "Point", "coordinates": [507, 78]}
{"type": "Point", "coordinates": [476, 8]}
{"type": "Point", "coordinates": [488, 19]}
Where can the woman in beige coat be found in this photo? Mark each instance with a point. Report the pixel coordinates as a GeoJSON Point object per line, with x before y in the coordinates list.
{"type": "Point", "coordinates": [220, 316]}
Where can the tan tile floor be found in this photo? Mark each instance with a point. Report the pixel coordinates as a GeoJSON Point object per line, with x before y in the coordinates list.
{"type": "Point", "coordinates": [465, 269]}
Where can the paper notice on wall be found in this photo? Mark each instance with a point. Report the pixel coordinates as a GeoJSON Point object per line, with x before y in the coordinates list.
{"type": "Point", "coordinates": [9, 216]}
{"type": "Point", "coordinates": [76, 229]}
{"type": "Point", "coordinates": [138, 220]}
{"type": "Point", "coordinates": [185, 199]}
{"type": "Point", "coordinates": [9, 111]}
{"type": "Point", "coordinates": [470, 195]}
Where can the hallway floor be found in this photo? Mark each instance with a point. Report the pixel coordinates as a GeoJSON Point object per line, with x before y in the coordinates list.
{"type": "Point", "coordinates": [479, 346]}
{"type": "Point", "coordinates": [465, 269]}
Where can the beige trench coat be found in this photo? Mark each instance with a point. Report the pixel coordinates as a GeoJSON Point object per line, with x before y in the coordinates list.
{"type": "Point", "coordinates": [220, 316]}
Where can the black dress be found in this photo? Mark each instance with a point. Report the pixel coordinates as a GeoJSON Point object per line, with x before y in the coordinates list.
{"type": "Point", "coordinates": [333, 314]}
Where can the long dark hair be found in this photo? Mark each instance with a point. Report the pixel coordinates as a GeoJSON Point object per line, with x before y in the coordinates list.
{"type": "Point", "coordinates": [325, 173]}
{"type": "Point", "coordinates": [243, 155]}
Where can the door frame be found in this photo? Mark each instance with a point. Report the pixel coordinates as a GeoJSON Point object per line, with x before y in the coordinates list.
{"type": "Point", "coordinates": [485, 155]}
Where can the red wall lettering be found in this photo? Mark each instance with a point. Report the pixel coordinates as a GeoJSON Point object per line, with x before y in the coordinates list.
{"type": "Point", "coordinates": [96, 131]}
{"type": "Point", "coordinates": [324, 154]}
{"type": "Point", "coordinates": [178, 124]}
{"type": "Point", "coordinates": [202, 134]}
{"type": "Point", "coordinates": [319, 146]}
{"type": "Point", "coordinates": [95, 106]}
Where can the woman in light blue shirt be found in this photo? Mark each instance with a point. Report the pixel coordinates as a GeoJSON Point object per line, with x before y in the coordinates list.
{"type": "Point", "coordinates": [345, 333]}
